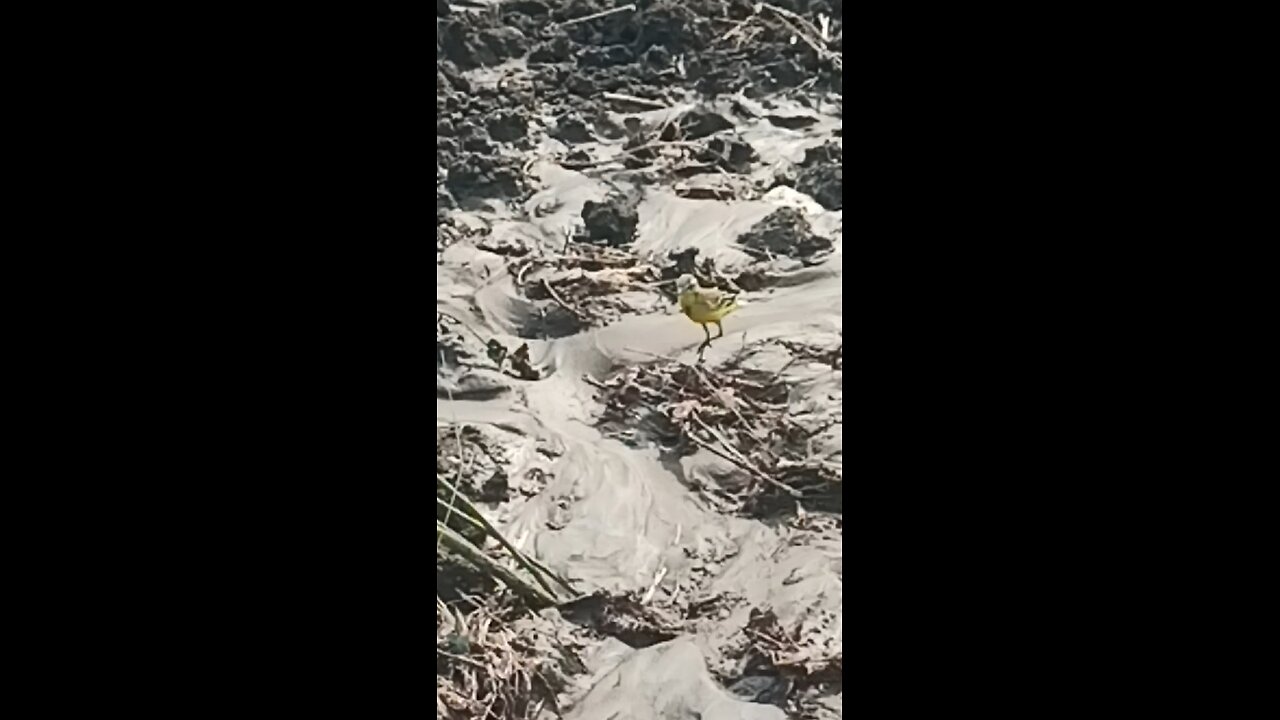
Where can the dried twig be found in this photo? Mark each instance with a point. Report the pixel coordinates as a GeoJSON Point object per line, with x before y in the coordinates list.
{"type": "Point", "coordinates": [460, 545]}
{"type": "Point", "coordinates": [633, 99]}
{"type": "Point", "coordinates": [629, 151]}
{"type": "Point", "coordinates": [560, 301]}
{"type": "Point", "coordinates": [807, 34]}
{"type": "Point", "coordinates": [739, 460]}
{"type": "Point", "coordinates": [715, 392]}
{"type": "Point", "coordinates": [593, 16]}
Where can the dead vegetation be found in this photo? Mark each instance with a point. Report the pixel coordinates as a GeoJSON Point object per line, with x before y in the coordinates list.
{"type": "Point", "coordinates": [461, 349]}
{"type": "Point", "coordinates": [486, 668]}
{"type": "Point", "coordinates": [624, 616]}
{"type": "Point", "coordinates": [487, 664]}
{"type": "Point", "coordinates": [585, 286]}
{"type": "Point", "coordinates": [744, 416]}
{"type": "Point", "coordinates": [804, 661]}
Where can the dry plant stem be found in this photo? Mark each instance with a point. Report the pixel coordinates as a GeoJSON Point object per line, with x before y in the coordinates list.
{"type": "Point", "coordinates": [633, 99]}
{"type": "Point", "coordinates": [524, 267]}
{"type": "Point", "coordinates": [593, 16]}
{"type": "Point", "coordinates": [473, 514]}
{"type": "Point", "coordinates": [461, 658]}
{"type": "Point", "coordinates": [806, 34]}
{"type": "Point", "coordinates": [522, 558]}
{"type": "Point", "coordinates": [654, 355]}
{"type": "Point", "coordinates": [736, 30]}
{"type": "Point", "coordinates": [457, 429]}
{"type": "Point", "coordinates": [794, 17]}
{"type": "Point", "coordinates": [724, 443]}
{"type": "Point", "coordinates": [469, 552]}
{"type": "Point", "coordinates": [631, 151]}
{"type": "Point", "coordinates": [464, 325]}
{"type": "Point", "coordinates": [560, 301]}
{"type": "Point", "coordinates": [716, 392]}
{"type": "Point", "coordinates": [744, 465]}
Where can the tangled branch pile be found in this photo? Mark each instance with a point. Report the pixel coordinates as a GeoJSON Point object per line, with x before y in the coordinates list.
{"type": "Point", "coordinates": [803, 660]}
{"type": "Point", "coordinates": [744, 416]}
{"type": "Point", "coordinates": [589, 287]}
{"type": "Point", "coordinates": [486, 668]}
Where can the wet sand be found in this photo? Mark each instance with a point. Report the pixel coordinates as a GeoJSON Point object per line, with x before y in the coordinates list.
{"type": "Point", "coordinates": [625, 515]}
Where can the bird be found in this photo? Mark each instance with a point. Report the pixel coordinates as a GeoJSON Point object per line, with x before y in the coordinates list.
{"type": "Point", "coordinates": [704, 305]}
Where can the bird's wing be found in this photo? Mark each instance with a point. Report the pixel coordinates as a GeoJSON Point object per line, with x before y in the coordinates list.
{"type": "Point", "coordinates": [712, 302]}
{"type": "Point", "coordinates": [709, 295]}
{"type": "Point", "coordinates": [711, 299]}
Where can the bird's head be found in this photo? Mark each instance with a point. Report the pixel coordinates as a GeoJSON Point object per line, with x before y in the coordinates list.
{"type": "Point", "coordinates": [685, 283]}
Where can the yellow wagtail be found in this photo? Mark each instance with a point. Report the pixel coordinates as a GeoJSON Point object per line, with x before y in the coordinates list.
{"type": "Point", "coordinates": [704, 305]}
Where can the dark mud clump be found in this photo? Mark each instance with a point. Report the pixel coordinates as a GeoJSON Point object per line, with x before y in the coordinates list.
{"type": "Point", "coordinates": [821, 175]}
{"type": "Point", "coordinates": [611, 222]}
{"type": "Point", "coordinates": [623, 617]}
{"type": "Point", "coordinates": [571, 128]}
{"type": "Point", "coordinates": [698, 123]}
{"type": "Point", "coordinates": [474, 174]}
{"type": "Point", "coordinates": [729, 154]}
{"type": "Point", "coordinates": [786, 232]}
{"type": "Point", "coordinates": [469, 48]}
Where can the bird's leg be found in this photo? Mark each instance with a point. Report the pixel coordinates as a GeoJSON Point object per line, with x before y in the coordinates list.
{"type": "Point", "coordinates": [705, 343]}
{"type": "Point", "coordinates": [720, 328]}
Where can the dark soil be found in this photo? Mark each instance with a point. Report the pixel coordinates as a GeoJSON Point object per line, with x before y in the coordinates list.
{"type": "Point", "coordinates": [612, 222]}
{"type": "Point", "coordinates": [663, 52]}
{"type": "Point", "coordinates": [820, 175]}
{"type": "Point", "coordinates": [713, 47]}
{"type": "Point", "coordinates": [786, 232]}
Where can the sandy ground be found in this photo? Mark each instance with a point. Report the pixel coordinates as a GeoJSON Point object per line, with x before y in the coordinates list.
{"type": "Point", "coordinates": [617, 512]}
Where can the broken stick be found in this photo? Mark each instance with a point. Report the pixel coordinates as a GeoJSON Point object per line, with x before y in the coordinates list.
{"type": "Point", "coordinates": [633, 99]}
{"type": "Point", "coordinates": [602, 13]}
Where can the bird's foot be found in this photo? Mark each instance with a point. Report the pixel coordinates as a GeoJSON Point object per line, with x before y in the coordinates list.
{"type": "Point", "coordinates": [703, 348]}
